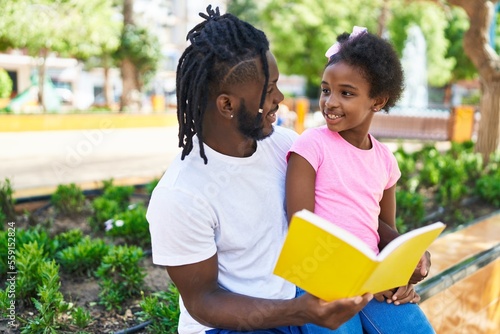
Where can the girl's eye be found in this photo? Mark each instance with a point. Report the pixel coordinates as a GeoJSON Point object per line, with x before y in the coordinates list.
{"type": "Point", "coordinates": [325, 91]}
{"type": "Point", "coordinates": [347, 94]}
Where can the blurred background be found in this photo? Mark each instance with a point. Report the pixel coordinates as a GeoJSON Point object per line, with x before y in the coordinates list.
{"type": "Point", "coordinates": [88, 56]}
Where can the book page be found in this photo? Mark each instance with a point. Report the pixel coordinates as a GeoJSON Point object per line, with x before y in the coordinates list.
{"type": "Point", "coordinates": [409, 235]}
{"type": "Point", "coordinates": [338, 232]}
{"type": "Point", "coordinates": [401, 260]}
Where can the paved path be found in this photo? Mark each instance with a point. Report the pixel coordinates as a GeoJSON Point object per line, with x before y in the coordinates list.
{"type": "Point", "coordinates": [36, 162]}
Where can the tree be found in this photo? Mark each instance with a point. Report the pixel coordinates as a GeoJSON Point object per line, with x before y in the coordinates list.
{"type": "Point", "coordinates": [433, 22]}
{"type": "Point", "coordinates": [302, 30]}
{"type": "Point", "coordinates": [45, 27]}
{"type": "Point", "coordinates": [246, 10]}
{"type": "Point", "coordinates": [128, 69]}
{"type": "Point", "coordinates": [477, 46]}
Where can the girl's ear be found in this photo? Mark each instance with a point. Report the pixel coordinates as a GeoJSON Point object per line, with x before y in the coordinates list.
{"type": "Point", "coordinates": [225, 105]}
{"type": "Point", "coordinates": [380, 103]}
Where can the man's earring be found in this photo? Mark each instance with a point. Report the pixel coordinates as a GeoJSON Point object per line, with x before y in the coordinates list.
{"type": "Point", "coordinates": [231, 116]}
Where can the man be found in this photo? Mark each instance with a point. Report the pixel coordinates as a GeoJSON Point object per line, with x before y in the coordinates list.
{"type": "Point", "coordinates": [217, 217]}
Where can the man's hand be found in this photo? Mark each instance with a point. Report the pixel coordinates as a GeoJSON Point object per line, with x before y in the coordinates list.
{"type": "Point", "coordinates": [422, 269]}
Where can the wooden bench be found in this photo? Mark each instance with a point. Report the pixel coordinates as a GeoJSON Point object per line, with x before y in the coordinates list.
{"type": "Point", "coordinates": [462, 292]}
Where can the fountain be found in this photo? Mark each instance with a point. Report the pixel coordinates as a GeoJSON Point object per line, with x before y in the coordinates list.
{"type": "Point", "coordinates": [414, 62]}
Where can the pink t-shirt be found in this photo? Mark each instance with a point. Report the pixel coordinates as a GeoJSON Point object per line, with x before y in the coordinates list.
{"type": "Point", "coordinates": [350, 182]}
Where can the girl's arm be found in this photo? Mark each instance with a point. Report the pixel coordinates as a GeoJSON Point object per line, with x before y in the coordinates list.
{"type": "Point", "coordinates": [388, 207]}
{"type": "Point", "coordinates": [300, 185]}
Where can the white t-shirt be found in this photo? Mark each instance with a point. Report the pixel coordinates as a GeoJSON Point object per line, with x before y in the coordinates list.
{"type": "Point", "coordinates": [232, 206]}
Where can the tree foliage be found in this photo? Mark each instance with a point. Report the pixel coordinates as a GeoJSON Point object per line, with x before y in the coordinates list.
{"type": "Point", "coordinates": [302, 30]}
{"type": "Point", "coordinates": [70, 28]}
{"type": "Point", "coordinates": [433, 22]}
{"type": "Point", "coordinates": [5, 84]}
{"type": "Point", "coordinates": [74, 28]}
{"type": "Point", "coordinates": [142, 48]}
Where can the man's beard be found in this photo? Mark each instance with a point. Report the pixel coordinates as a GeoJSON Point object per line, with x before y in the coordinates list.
{"type": "Point", "coordinates": [249, 125]}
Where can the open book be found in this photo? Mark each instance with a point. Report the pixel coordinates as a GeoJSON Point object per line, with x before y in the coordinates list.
{"type": "Point", "coordinates": [331, 263]}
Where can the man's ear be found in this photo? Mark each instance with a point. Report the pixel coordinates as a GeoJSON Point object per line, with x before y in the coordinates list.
{"type": "Point", "coordinates": [225, 105]}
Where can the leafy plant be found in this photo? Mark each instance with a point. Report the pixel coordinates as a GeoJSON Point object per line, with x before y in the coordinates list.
{"type": "Point", "coordinates": [38, 235]}
{"type": "Point", "coordinates": [68, 199]}
{"type": "Point", "coordinates": [132, 226]}
{"type": "Point", "coordinates": [488, 188]}
{"type": "Point", "coordinates": [28, 260]}
{"type": "Point", "coordinates": [68, 238]}
{"type": "Point", "coordinates": [5, 302]}
{"type": "Point", "coordinates": [50, 303]}
{"type": "Point", "coordinates": [113, 200]}
{"type": "Point", "coordinates": [81, 317]}
{"type": "Point", "coordinates": [119, 194]}
{"type": "Point", "coordinates": [406, 164]}
{"type": "Point", "coordinates": [103, 209]}
{"type": "Point", "coordinates": [121, 276]}
{"type": "Point", "coordinates": [7, 202]}
{"type": "Point", "coordinates": [84, 257]}
{"type": "Point", "coordinates": [5, 84]}
{"type": "Point", "coordinates": [410, 210]}
{"type": "Point", "coordinates": [162, 308]}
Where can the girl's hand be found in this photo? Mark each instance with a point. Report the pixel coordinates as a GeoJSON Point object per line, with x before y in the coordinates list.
{"type": "Point", "coordinates": [398, 296]}
{"type": "Point", "coordinates": [405, 294]}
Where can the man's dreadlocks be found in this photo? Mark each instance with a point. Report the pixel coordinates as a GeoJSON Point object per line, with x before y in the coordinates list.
{"type": "Point", "coordinates": [221, 53]}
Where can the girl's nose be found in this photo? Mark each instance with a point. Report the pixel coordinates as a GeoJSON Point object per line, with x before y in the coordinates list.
{"type": "Point", "coordinates": [330, 102]}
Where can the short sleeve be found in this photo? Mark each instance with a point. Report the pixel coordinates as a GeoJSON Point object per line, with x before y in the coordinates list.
{"type": "Point", "coordinates": [394, 171]}
{"type": "Point", "coordinates": [308, 147]}
{"type": "Point", "coordinates": [180, 234]}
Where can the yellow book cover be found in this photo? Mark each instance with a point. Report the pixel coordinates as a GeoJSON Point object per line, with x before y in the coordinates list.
{"type": "Point", "coordinates": [331, 263]}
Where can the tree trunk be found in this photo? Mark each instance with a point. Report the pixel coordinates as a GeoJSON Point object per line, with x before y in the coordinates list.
{"type": "Point", "coordinates": [489, 125]}
{"type": "Point", "coordinates": [41, 78]}
{"type": "Point", "coordinates": [108, 88]}
{"type": "Point", "coordinates": [477, 47]}
{"type": "Point", "coordinates": [382, 20]}
{"type": "Point", "coordinates": [129, 100]}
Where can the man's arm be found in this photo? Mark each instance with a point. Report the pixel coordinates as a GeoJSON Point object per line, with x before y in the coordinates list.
{"type": "Point", "coordinates": [215, 307]}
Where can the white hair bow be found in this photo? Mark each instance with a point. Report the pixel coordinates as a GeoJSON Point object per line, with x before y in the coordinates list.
{"type": "Point", "coordinates": [335, 47]}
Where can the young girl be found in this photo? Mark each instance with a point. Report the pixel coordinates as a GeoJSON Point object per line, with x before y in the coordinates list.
{"type": "Point", "coordinates": [340, 172]}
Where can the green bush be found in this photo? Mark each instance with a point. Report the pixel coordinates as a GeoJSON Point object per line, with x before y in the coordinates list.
{"type": "Point", "coordinates": [488, 188]}
{"type": "Point", "coordinates": [50, 303]}
{"type": "Point", "coordinates": [83, 258]}
{"type": "Point", "coordinates": [68, 238]}
{"type": "Point", "coordinates": [5, 84]}
{"type": "Point", "coordinates": [132, 226]}
{"type": "Point", "coordinates": [410, 210]}
{"type": "Point", "coordinates": [162, 308]}
{"type": "Point", "coordinates": [38, 235]}
{"type": "Point", "coordinates": [7, 202]}
{"type": "Point", "coordinates": [103, 209]}
{"type": "Point", "coordinates": [119, 194]}
{"type": "Point", "coordinates": [121, 276]}
{"type": "Point", "coordinates": [68, 199]}
{"type": "Point", "coordinates": [29, 258]}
